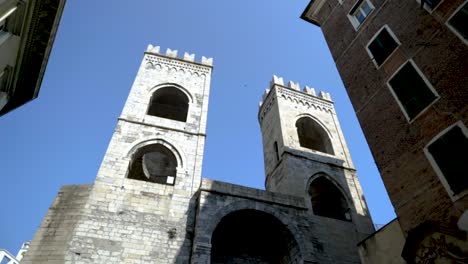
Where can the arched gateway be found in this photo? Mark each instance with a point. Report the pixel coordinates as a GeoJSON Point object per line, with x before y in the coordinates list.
{"type": "Point", "coordinates": [252, 236]}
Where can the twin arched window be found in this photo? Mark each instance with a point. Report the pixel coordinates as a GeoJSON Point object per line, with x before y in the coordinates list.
{"type": "Point", "coordinates": [153, 163]}
{"type": "Point", "coordinates": [170, 103]}
{"type": "Point", "coordinates": [327, 200]}
{"type": "Point", "coordinates": [313, 136]}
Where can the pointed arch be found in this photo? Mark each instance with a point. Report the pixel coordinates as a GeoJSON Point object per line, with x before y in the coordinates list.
{"type": "Point", "coordinates": [327, 198]}
{"type": "Point", "coordinates": [174, 149]}
{"type": "Point", "coordinates": [169, 101]}
{"type": "Point", "coordinates": [313, 135]}
{"type": "Point", "coordinates": [153, 163]}
{"type": "Point", "coordinates": [210, 224]}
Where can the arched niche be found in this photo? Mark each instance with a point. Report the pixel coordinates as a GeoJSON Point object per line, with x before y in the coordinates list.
{"type": "Point", "coordinates": [327, 200]}
{"type": "Point", "coordinates": [153, 163]}
{"type": "Point", "coordinates": [169, 102]}
{"type": "Point", "coordinates": [252, 236]}
{"type": "Point", "coordinates": [313, 136]}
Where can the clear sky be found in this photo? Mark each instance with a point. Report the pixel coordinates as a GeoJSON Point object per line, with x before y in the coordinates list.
{"type": "Point", "coordinates": [61, 137]}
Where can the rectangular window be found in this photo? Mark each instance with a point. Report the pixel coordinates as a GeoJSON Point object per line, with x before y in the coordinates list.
{"type": "Point", "coordinates": [275, 146]}
{"type": "Point", "coordinates": [449, 155]}
{"type": "Point", "coordinates": [382, 45]}
{"type": "Point", "coordinates": [413, 93]}
{"type": "Point", "coordinates": [430, 3]}
{"type": "Point", "coordinates": [459, 22]}
{"type": "Point", "coordinates": [360, 12]}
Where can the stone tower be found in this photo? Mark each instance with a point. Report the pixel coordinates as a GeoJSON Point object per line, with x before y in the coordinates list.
{"type": "Point", "coordinates": [141, 207]}
{"type": "Point", "coordinates": [306, 155]}
{"type": "Point", "coordinates": [149, 203]}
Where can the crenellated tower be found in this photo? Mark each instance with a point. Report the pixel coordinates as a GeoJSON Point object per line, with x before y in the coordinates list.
{"type": "Point", "coordinates": [160, 134]}
{"type": "Point", "coordinates": [141, 207]}
{"type": "Point", "coordinates": [306, 155]}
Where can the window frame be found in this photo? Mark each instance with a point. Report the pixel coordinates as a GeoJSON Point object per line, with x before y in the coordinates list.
{"type": "Point", "coordinates": [426, 81]}
{"type": "Point", "coordinates": [390, 32]}
{"type": "Point", "coordinates": [436, 167]}
{"type": "Point", "coordinates": [454, 30]}
{"type": "Point", "coordinates": [427, 8]}
{"type": "Point", "coordinates": [357, 8]}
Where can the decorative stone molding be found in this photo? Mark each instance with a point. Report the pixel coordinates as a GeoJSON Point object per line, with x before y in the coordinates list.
{"type": "Point", "coordinates": [292, 92]}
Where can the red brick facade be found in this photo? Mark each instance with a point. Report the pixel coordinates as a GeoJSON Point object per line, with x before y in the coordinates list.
{"type": "Point", "coordinates": [397, 144]}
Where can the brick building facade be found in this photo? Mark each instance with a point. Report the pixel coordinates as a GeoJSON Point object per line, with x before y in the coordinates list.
{"type": "Point", "coordinates": [404, 65]}
{"type": "Point", "coordinates": [149, 203]}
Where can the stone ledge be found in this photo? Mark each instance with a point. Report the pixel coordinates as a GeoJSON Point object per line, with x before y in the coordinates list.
{"type": "Point", "coordinates": [230, 189]}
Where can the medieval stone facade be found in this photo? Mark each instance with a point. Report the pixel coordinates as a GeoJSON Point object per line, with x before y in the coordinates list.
{"type": "Point", "coordinates": [404, 65]}
{"type": "Point", "coordinates": [149, 203]}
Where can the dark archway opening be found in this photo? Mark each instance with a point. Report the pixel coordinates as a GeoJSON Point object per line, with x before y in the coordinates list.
{"type": "Point", "coordinates": [313, 136]}
{"type": "Point", "coordinates": [153, 163]}
{"type": "Point", "coordinates": [327, 200]}
{"type": "Point", "coordinates": [251, 236]}
{"type": "Point", "coordinates": [169, 102]}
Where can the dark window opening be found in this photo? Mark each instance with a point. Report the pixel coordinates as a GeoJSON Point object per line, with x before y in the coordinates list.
{"type": "Point", "coordinates": [430, 3]}
{"type": "Point", "coordinates": [275, 146]}
{"type": "Point", "coordinates": [153, 163]}
{"type": "Point", "coordinates": [327, 200]}
{"type": "Point", "coordinates": [382, 46]}
{"type": "Point", "coordinates": [169, 102]}
{"type": "Point", "coordinates": [459, 21]}
{"type": "Point", "coordinates": [450, 154]}
{"type": "Point", "coordinates": [411, 90]}
{"type": "Point", "coordinates": [251, 236]}
{"type": "Point", "coordinates": [313, 136]}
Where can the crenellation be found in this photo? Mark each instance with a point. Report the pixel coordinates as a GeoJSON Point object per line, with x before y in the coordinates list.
{"type": "Point", "coordinates": [277, 80]}
{"type": "Point", "coordinates": [207, 61]}
{"type": "Point", "coordinates": [171, 53]}
{"type": "Point", "coordinates": [294, 86]}
{"type": "Point", "coordinates": [265, 94]}
{"type": "Point", "coordinates": [189, 57]}
{"type": "Point", "coordinates": [309, 90]}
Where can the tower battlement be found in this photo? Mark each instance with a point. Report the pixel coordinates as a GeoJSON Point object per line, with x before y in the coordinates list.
{"type": "Point", "coordinates": [294, 86]}
{"type": "Point", "coordinates": [292, 91]}
{"type": "Point", "coordinates": [173, 54]}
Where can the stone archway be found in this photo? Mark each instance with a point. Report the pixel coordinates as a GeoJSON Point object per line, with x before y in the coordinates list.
{"type": "Point", "coordinates": [253, 236]}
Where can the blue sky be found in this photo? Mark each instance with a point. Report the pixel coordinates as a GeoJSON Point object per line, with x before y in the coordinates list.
{"type": "Point", "coordinates": [61, 137]}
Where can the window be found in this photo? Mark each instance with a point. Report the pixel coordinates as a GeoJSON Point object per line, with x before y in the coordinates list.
{"type": "Point", "coordinates": [382, 45]}
{"type": "Point", "coordinates": [458, 22]}
{"type": "Point", "coordinates": [8, 21]}
{"type": "Point", "coordinates": [327, 200]}
{"type": "Point", "coordinates": [275, 146]}
{"type": "Point", "coordinates": [153, 163]}
{"type": "Point", "coordinates": [359, 12]}
{"type": "Point", "coordinates": [430, 3]}
{"type": "Point", "coordinates": [448, 154]}
{"type": "Point", "coordinates": [313, 136]}
{"type": "Point", "coordinates": [413, 93]}
{"type": "Point", "coordinates": [169, 102]}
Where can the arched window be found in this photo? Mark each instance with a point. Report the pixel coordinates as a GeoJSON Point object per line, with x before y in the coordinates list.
{"type": "Point", "coordinates": [251, 236]}
{"type": "Point", "coordinates": [153, 163]}
{"type": "Point", "coordinates": [327, 200]}
{"type": "Point", "coordinates": [312, 135]}
{"type": "Point", "coordinates": [169, 102]}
